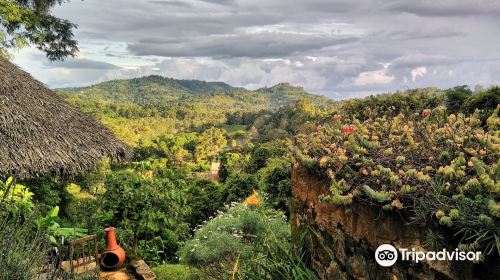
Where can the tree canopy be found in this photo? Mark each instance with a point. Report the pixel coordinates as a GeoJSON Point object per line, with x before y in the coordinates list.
{"type": "Point", "coordinates": [29, 22]}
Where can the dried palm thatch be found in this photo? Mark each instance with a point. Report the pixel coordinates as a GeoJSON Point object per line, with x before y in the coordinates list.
{"type": "Point", "coordinates": [42, 134]}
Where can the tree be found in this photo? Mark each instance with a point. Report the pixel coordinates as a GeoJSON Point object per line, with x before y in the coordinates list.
{"type": "Point", "coordinates": [262, 152]}
{"type": "Point", "coordinates": [456, 97]}
{"type": "Point", "coordinates": [204, 201]}
{"type": "Point", "coordinates": [25, 22]}
{"type": "Point", "coordinates": [145, 209]}
{"type": "Point", "coordinates": [275, 181]}
{"type": "Point", "coordinates": [210, 143]}
{"type": "Point", "coordinates": [227, 162]}
{"type": "Point", "coordinates": [238, 186]}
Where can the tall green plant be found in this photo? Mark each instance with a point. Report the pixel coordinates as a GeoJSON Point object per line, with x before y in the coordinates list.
{"type": "Point", "coordinates": [22, 251]}
{"type": "Point", "coordinates": [280, 259]}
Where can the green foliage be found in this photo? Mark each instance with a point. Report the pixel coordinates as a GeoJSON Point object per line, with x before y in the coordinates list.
{"type": "Point", "coordinates": [290, 120]}
{"type": "Point", "coordinates": [405, 146]}
{"type": "Point", "coordinates": [470, 218]}
{"type": "Point", "coordinates": [275, 181]}
{"type": "Point", "coordinates": [456, 98]}
{"type": "Point", "coordinates": [391, 105]}
{"type": "Point", "coordinates": [48, 191]}
{"type": "Point", "coordinates": [337, 197]}
{"type": "Point", "coordinates": [237, 234]}
{"type": "Point", "coordinates": [144, 109]}
{"type": "Point", "coordinates": [24, 22]}
{"type": "Point", "coordinates": [176, 148]}
{"type": "Point", "coordinates": [15, 199]}
{"type": "Point", "coordinates": [21, 249]}
{"type": "Point", "coordinates": [438, 164]}
{"type": "Point", "coordinates": [228, 162]}
{"type": "Point", "coordinates": [238, 186]}
{"type": "Point", "coordinates": [262, 152]}
{"type": "Point", "coordinates": [150, 212]}
{"type": "Point", "coordinates": [434, 240]}
{"type": "Point", "coordinates": [280, 260]}
{"type": "Point", "coordinates": [494, 208]}
{"type": "Point", "coordinates": [49, 224]}
{"type": "Point", "coordinates": [177, 272]}
{"type": "Point", "coordinates": [204, 200]}
{"type": "Point", "coordinates": [210, 143]}
{"type": "Point", "coordinates": [460, 99]}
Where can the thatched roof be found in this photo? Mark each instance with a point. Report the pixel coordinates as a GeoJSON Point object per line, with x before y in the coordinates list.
{"type": "Point", "coordinates": [42, 134]}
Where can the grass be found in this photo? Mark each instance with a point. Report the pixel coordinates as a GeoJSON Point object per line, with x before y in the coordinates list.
{"type": "Point", "coordinates": [177, 272]}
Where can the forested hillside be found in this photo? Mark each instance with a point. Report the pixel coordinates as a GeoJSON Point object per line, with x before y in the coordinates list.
{"type": "Point", "coordinates": [207, 193]}
{"type": "Point", "coordinates": [154, 105]}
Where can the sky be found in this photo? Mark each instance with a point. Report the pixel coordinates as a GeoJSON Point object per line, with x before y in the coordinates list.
{"type": "Point", "coordinates": [337, 48]}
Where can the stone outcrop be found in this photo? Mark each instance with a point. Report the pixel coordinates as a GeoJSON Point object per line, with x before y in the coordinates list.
{"type": "Point", "coordinates": [142, 270]}
{"type": "Point", "coordinates": [346, 238]}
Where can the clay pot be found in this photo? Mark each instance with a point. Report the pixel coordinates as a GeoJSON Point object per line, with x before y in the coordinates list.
{"type": "Point", "coordinates": [114, 256]}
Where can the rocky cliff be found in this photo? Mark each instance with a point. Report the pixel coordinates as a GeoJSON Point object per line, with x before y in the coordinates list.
{"type": "Point", "coordinates": [345, 238]}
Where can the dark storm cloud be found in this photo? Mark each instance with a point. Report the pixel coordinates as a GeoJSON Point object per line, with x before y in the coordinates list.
{"type": "Point", "coordinates": [245, 45]}
{"type": "Point", "coordinates": [340, 47]}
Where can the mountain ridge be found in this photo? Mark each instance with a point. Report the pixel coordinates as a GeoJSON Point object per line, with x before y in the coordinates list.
{"type": "Point", "coordinates": [155, 89]}
{"type": "Point", "coordinates": [155, 105]}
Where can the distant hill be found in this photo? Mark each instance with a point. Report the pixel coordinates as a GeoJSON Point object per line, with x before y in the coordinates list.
{"type": "Point", "coordinates": [157, 90]}
{"type": "Point", "coordinates": [155, 105]}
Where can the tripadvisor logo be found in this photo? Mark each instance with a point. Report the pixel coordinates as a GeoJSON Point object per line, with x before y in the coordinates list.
{"type": "Point", "coordinates": [387, 255]}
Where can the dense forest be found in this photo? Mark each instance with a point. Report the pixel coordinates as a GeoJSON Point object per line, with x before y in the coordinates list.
{"type": "Point", "coordinates": [142, 109]}
{"type": "Point", "coordinates": [207, 193]}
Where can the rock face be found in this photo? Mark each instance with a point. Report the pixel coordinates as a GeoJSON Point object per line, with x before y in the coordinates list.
{"type": "Point", "coordinates": [142, 270]}
{"type": "Point", "coordinates": [347, 237]}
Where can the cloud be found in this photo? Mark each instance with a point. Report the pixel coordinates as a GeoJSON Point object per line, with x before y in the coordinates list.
{"type": "Point", "coordinates": [373, 77]}
{"type": "Point", "coordinates": [422, 35]}
{"type": "Point", "coordinates": [220, 2]}
{"type": "Point", "coordinates": [418, 72]}
{"type": "Point", "coordinates": [447, 8]}
{"type": "Point", "coordinates": [412, 60]}
{"type": "Point", "coordinates": [239, 45]}
{"type": "Point", "coordinates": [80, 63]}
{"type": "Point", "coordinates": [342, 48]}
{"type": "Point", "coordinates": [172, 3]}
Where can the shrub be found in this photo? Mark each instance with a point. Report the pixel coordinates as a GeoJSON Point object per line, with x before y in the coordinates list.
{"type": "Point", "coordinates": [15, 199]}
{"type": "Point", "coordinates": [22, 251]}
{"type": "Point", "coordinates": [238, 186]}
{"type": "Point", "coordinates": [462, 100]}
{"type": "Point", "coordinates": [235, 234]}
{"type": "Point", "coordinates": [457, 97]}
{"type": "Point", "coordinates": [402, 161]}
{"type": "Point", "coordinates": [204, 200]}
{"type": "Point", "coordinates": [279, 260]}
{"type": "Point", "coordinates": [227, 165]}
{"type": "Point", "coordinates": [149, 213]}
{"type": "Point", "coordinates": [391, 105]}
{"type": "Point", "coordinates": [276, 183]}
{"type": "Point", "coordinates": [177, 272]}
{"type": "Point", "coordinates": [262, 152]}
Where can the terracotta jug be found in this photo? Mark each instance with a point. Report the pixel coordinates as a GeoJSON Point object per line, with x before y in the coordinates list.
{"type": "Point", "coordinates": [114, 256]}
